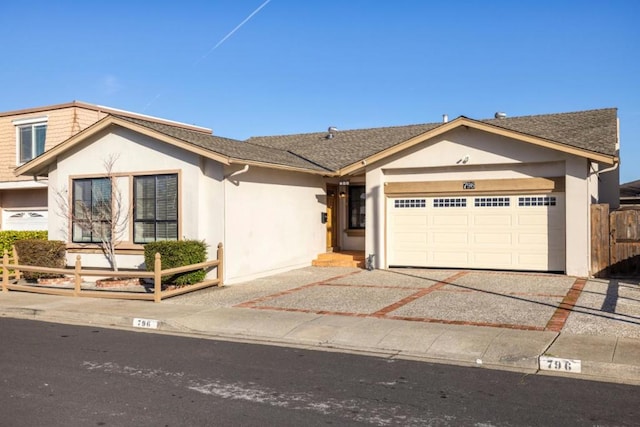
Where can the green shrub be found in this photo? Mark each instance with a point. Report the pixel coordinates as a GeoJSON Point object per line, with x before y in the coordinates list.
{"type": "Point", "coordinates": [9, 237]}
{"type": "Point", "coordinates": [41, 253]}
{"type": "Point", "coordinates": [177, 254]}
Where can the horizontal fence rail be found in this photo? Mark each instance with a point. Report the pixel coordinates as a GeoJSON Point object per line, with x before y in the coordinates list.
{"type": "Point", "coordinates": [12, 275]}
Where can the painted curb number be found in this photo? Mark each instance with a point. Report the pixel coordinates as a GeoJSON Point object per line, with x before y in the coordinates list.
{"type": "Point", "coordinates": [145, 323]}
{"type": "Point", "coordinates": [563, 365]}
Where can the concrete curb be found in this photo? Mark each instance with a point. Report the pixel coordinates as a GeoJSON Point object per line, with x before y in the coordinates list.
{"type": "Point", "coordinates": [602, 358]}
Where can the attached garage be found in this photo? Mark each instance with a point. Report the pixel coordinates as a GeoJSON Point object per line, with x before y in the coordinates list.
{"type": "Point", "coordinates": [515, 232]}
{"type": "Point", "coordinates": [511, 224]}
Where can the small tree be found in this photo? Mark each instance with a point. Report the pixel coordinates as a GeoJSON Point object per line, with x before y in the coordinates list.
{"type": "Point", "coordinates": [104, 216]}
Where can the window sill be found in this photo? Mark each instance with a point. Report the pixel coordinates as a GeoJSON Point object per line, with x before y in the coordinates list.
{"type": "Point", "coordinates": [355, 232]}
{"type": "Point", "coordinates": [123, 248]}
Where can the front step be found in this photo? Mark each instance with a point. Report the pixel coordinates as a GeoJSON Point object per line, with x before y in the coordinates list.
{"type": "Point", "coordinates": [340, 259]}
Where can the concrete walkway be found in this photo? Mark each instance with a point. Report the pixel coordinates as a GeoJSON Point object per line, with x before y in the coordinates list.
{"type": "Point", "coordinates": [532, 323]}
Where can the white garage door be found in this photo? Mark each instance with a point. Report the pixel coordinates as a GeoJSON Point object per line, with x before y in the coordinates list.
{"type": "Point", "coordinates": [24, 219]}
{"type": "Point", "coordinates": [514, 232]}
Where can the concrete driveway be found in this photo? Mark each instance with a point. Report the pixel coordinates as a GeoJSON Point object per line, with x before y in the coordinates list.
{"type": "Point", "coordinates": [523, 301]}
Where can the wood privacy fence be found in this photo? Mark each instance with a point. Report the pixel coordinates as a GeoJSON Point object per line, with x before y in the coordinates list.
{"type": "Point", "coordinates": [615, 241]}
{"type": "Point", "coordinates": [12, 275]}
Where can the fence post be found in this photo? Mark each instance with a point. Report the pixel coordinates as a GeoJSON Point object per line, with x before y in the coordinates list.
{"type": "Point", "coordinates": [220, 269]}
{"type": "Point", "coordinates": [77, 278]}
{"type": "Point", "coordinates": [16, 261]}
{"type": "Point", "coordinates": [5, 271]}
{"type": "Point", "coordinates": [157, 278]}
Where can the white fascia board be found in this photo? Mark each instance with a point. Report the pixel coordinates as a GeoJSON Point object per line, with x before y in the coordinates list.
{"type": "Point", "coordinates": [22, 185]}
{"type": "Point", "coordinates": [39, 119]}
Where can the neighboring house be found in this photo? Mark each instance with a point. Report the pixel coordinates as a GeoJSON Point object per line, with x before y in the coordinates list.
{"type": "Point", "coordinates": [504, 193]}
{"type": "Point", "coordinates": [24, 135]}
{"type": "Point", "coordinates": [630, 193]}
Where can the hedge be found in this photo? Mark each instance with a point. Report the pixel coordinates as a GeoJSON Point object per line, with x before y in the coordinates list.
{"type": "Point", "coordinates": [177, 254]}
{"type": "Point", "coordinates": [42, 253]}
{"type": "Point", "coordinates": [9, 237]}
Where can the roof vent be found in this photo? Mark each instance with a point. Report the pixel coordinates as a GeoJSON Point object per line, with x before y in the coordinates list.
{"type": "Point", "coordinates": [331, 130]}
{"type": "Point", "coordinates": [445, 118]}
{"type": "Point", "coordinates": [500, 115]}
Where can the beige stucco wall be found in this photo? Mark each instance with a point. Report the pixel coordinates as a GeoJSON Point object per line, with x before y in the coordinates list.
{"type": "Point", "coordinates": [267, 220]}
{"type": "Point", "coordinates": [489, 157]}
{"type": "Point", "coordinates": [139, 154]}
{"type": "Point", "coordinates": [273, 221]}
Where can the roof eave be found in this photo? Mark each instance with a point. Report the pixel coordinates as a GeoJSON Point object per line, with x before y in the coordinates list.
{"type": "Point", "coordinates": [464, 121]}
{"type": "Point", "coordinates": [39, 165]}
{"type": "Point", "coordinates": [36, 166]}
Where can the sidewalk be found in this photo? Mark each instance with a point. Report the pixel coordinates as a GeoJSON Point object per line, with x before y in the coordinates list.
{"type": "Point", "coordinates": [483, 319]}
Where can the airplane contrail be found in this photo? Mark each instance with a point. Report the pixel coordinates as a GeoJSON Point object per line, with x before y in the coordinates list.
{"type": "Point", "coordinates": [258, 9]}
{"type": "Point", "coordinates": [232, 31]}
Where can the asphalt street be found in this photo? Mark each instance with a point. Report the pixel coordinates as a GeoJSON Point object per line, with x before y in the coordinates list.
{"type": "Point", "coordinates": [65, 375]}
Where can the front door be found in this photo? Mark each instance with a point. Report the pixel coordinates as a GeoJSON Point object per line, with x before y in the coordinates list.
{"type": "Point", "coordinates": [332, 217]}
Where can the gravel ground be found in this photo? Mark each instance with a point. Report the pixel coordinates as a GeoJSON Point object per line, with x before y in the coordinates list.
{"type": "Point", "coordinates": [607, 307]}
{"type": "Point", "coordinates": [604, 307]}
{"type": "Point", "coordinates": [344, 299]}
{"type": "Point", "coordinates": [479, 307]}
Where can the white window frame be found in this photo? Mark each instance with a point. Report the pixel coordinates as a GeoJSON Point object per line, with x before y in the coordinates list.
{"type": "Point", "coordinates": [33, 122]}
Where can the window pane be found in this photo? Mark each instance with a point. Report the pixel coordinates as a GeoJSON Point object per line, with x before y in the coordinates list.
{"type": "Point", "coordinates": [144, 232]}
{"type": "Point", "coordinates": [41, 134]}
{"type": "Point", "coordinates": [91, 210]}
{"type": "Point", "coordinates": [26, 144]}
{"type": "Point", "coordinates": [145, 198]}
{"type": "Point", "coordinates": [155, 208]}
{"type": "Point", "coordinates": [357, 206]}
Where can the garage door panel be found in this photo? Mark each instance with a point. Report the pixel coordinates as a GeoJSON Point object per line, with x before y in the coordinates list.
{"type": "Point", "coordinates": [496, 238]}
{"type": "Point", "coordinates": [534, 260]}
{"type": "Point", "coordinates": [532, 219]}
{"type": "Point", "coordinates": [498, 259]}
{"type": "Point", "coordinates": [450, 238]}
{"type": "Point", "coordinates": [453, 259]}
{"type": "Point", "coordinates": [412, 258]}
{"type": "Point", "coordinates": [509, 232]}
{"type": "Point", "coordinates": [450, 219]}
{"type": "Point", "coordinates": [504, 220]}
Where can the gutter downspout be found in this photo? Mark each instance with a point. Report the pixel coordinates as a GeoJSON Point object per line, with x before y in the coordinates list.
{"type": "Point", "coordinates": [609, 169]}
{"type": "Point", "coordinates": [238, 172]}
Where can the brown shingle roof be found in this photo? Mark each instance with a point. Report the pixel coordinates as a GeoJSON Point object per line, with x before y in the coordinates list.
{"type": "Point", "coordinates": [231, 148]}
{"type": "Point", "coordinates": [594, 130]}
{"type": "Point", "coordinates": [630, 189]}
{"type": "Point", "coordinates": [347, 147]}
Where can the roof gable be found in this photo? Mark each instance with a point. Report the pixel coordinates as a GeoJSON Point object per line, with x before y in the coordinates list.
{"type": "Point", "coordinates": [591, 134]}
{"type": "Point", "coordinates": [223, 150]}
{"type": "Point", "coordinates": [104, 110]}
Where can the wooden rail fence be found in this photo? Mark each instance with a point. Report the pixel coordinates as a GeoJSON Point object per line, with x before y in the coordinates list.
{"type": "Point", "coordinates": [12, 275]}
{"type": "Point", "coordinates": [615, 241]}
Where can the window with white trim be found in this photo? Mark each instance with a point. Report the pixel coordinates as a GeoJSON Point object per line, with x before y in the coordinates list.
{"type": "Point", "coordinates": [31, 135]}
{"type": "Point", "coordinates": [155, 209]}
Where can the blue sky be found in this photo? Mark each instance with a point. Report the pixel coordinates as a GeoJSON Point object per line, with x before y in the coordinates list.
{"type": "Point", "coordinates": [302, 66]}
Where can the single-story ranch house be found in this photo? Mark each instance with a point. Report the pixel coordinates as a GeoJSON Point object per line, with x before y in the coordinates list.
{"type": "Point", "coordinates": [508, 193]}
